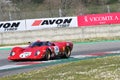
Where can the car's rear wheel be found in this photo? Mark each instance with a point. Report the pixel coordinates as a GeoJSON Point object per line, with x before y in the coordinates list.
{"type": "Point", "coordinates": [47, 55]}
{"type": "Point", "coordinates": [67, 52]}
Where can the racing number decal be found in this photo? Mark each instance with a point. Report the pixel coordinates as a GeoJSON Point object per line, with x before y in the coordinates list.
{"type": "Point", "coordinates": [25, 54]}
{"type": "Point", "coordinates": [56, 49]}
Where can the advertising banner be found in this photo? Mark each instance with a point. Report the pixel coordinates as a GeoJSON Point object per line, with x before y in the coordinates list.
{"type": "Point", "coordinates": [99, 19]}
{"type": "Point", "coordinates": [51, 23]}
{"type": "Point", "coordinates": [8, 26]}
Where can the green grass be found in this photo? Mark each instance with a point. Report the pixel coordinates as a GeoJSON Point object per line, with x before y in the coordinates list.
{"type": "Point", "coordinates": [107, 68]}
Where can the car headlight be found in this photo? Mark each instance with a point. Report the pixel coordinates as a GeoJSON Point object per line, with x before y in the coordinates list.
{"type": "Point", "coordinates": [37, 53]}
{"type": "Point", "coordinates": [12, 53]}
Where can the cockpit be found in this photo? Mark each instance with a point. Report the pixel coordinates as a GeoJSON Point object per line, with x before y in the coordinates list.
{"type": "Point", "coordinates": [46, 43]}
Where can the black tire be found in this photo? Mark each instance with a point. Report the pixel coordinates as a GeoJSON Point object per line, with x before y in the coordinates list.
{"type": "Point", "coordinates": [67, 52]}
{"type": "Point", "coordinates": [47, 55]}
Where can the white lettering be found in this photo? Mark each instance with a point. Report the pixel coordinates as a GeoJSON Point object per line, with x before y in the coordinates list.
{"type": "Point", "coordinates": [104, 18]}
{"type": "Point", "coordinates": [86, 19]}
{"type": "Point", "coordinates": [116, 18]}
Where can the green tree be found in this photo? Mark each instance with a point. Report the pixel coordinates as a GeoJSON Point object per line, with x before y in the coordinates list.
{"type": "Point", "coordinates": [37, 1]}
{"type": "Point", "coordinates": [28, 1]}
{"type": "Point", "coordinates": [112, 1]}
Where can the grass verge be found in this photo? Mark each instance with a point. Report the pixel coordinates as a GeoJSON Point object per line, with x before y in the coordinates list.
{"type": "Point", "coordinates": [107, 68]}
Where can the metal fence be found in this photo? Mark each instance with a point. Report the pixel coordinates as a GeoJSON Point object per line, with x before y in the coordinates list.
{"type": "Point", "coordinates": [16, 14]}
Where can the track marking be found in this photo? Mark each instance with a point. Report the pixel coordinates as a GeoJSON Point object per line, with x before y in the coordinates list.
{"type": "Point", "coordinates": [81, 56]}
{"type": "Point", "coordinates": [22, 64]}
{"type": "Point", "coordinates": [10, 66]}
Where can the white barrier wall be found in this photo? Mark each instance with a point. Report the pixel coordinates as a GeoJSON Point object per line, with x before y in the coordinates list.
{"type": "Point", "coordinates": [53, 34]}
{"type": "Point", "coordinates": [52, 29]}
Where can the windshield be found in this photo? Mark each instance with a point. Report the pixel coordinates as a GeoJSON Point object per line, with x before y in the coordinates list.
{"type": "Point", "coordinates": [37, 44]}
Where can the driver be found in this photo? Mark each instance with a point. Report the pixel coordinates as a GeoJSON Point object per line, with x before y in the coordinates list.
{"type": "Point", "coordinates": [48, 43]}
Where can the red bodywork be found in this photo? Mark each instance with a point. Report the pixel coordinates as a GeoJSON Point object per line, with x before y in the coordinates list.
{"type": "Point", "coordinates": [38, 52]}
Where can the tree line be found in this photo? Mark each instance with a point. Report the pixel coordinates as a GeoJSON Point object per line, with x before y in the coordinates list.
{"type": "Point", "coordinates": [85, 2]}
{"type": "Point", "coordinates": [22, 9]}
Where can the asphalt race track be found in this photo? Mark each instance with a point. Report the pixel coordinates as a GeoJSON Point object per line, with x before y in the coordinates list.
{"type": "Point", "coordinates": [79, 49]}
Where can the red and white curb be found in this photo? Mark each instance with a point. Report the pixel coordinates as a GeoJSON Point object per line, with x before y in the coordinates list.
{"type": "Point", "coordinates": [96, 54]}
{"type": "Point", "coordinates": [23, 64]}
{"type": "Point", "coordinates": [28, 63]}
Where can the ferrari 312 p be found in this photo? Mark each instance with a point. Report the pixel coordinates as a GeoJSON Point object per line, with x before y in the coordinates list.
{"type": "Point", "coordinates": [39, 50]}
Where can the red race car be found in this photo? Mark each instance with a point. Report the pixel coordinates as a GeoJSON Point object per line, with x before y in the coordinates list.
{"type": "Point", "coordinates": [41, 50]}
